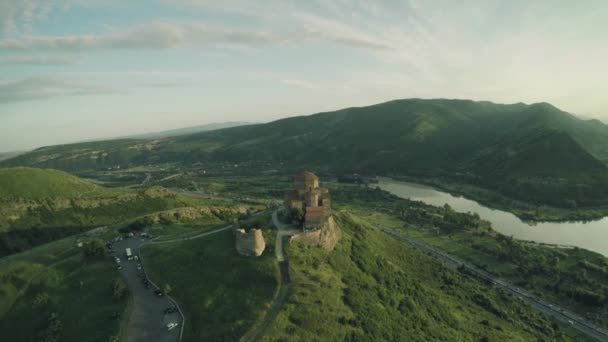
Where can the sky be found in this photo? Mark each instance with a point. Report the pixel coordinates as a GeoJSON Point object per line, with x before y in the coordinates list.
{"type": "Point", "coordinates": [73, 70]}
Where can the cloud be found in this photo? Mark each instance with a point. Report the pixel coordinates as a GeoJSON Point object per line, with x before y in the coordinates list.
{"type": "Point", "coordinates": [41, 61]}
{"type": "Point", "coordinates": [158, 36]}
{"type": "Point", "coordinates": [35, 88]}
{"type": "Point", "coordinates": [21, 14]}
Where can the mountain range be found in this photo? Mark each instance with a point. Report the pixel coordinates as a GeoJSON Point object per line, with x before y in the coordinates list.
{"type": "Point", "coordinates": [534, 152]}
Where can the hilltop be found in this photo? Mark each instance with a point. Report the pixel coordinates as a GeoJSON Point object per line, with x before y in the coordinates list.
{"type": "Point", "coordinates": [31, 183]}
{"type": "Point", "coordinates": [529, 152]}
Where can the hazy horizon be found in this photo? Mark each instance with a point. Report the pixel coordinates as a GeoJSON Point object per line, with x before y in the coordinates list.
{"type": "Point", "coordinates": [74, 70]}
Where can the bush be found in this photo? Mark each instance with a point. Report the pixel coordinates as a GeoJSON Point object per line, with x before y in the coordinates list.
{"type": "Point", "coordinates": [119, 288]}
{"type": "Point", "coordinates": [93, 249]}
{"type": "Point", "coordinates": [167, 289]}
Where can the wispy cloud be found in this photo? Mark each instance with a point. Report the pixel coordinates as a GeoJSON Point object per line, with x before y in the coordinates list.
{"type": "Point", "coordinates": [38, 60]}
{"type": "Point", "coordinates": [35, 88]}
{"type": "Point", "coordinates": [167, 35]}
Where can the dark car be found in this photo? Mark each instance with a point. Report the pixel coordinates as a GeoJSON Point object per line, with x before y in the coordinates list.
{"type": "Point", "coordinates": [159, 293]}
{"type": "Point", "coordinates": [170, 310]}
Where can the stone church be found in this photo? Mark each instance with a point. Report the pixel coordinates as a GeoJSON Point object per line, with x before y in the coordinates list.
{"type": "Point", "coordinates": [311, 198]}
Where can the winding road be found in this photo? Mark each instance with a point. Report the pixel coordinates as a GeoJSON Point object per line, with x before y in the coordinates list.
{"type": "Point", "coordinates": [577, 322]}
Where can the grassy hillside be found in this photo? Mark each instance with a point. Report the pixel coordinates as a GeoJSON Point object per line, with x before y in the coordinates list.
{"type": "Point", "coordinates": [467, 141]}
{"type": "Point", "coordinates": [373, 288]}
{"type": "Point", "coordinates": [37, 206]}
{"type": "Point", "coordinates": [50, 293]}
{"type": "Point", "coordinates": [34, 184]}
{"type": "Point", "coordinates": [221, 293]}
{"type": "Point", "coordinates": [575, 278]}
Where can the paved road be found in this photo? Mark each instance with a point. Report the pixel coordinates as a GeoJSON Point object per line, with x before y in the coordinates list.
{"type": "Point", "coordinates": [581, 324]}
{"type": "Point", "coordinates": [147, 322]}
{"type": "Point", "coordinates": [190, 237]}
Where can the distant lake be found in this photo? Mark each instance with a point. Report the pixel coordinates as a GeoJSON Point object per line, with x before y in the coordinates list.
{"type": "Point", "coordinates": [592, 235]}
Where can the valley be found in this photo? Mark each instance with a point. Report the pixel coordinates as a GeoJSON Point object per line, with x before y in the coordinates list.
{"type": "Point", "coordinates": [189, 200]}
{"type": "Point", "coordinates": [534, 154]}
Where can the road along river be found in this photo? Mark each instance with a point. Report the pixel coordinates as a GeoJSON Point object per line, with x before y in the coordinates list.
{"type": "Point", "coordinates": [592, 235]}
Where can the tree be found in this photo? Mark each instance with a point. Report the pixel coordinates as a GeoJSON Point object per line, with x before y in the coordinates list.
{"type": "Point", "coordinates": [297, 215]}
{"type": "Point", "coordinates": [119, 288]}
{"type": "Point", "coordinates": [167, 289]}
{"type": "Point", "coordinates": [93, 249]}
{"type": "Point", "coordinates": [54, 327]}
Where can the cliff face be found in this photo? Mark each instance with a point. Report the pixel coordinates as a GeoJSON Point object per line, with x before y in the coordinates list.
{"type": "Point", "coordinates": [250, 243]}
{"type": "Point", "coordinates": [327, 237]}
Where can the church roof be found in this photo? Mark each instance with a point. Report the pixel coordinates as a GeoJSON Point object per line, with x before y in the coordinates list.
{"type": "Point", "coordinates": [306, 175]}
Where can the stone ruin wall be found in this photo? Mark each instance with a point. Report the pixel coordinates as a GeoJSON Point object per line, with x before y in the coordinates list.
{"type": "Point", "coordinates": [250, 243]}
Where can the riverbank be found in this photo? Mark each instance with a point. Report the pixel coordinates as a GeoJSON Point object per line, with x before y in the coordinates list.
{"type": "Point", "coordinates": [528, 212]}
{"type": "Point", "coordinates": [573, 277]}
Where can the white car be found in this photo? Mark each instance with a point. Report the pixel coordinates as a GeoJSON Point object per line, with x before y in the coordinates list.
{"type": "Point", "coordinates": [171, 325]}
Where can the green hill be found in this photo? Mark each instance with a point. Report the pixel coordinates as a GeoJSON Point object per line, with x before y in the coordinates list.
{"type": "Point", "coordinates": [30, 183]}
{"type": "Point", "coordinates": [37, 206]}
{"type": "Point", "coordinates": [481, 143]}
{"type": "Point", "coordinates": [369, 288]}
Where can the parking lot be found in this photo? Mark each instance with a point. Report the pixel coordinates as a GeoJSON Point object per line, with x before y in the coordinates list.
{"type": "Point", "coordinates": [148, 321]}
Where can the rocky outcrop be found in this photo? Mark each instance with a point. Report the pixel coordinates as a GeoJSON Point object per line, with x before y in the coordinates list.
{"type": "Point", "coordinates": [327, 237]}
{"type": "Point", "coordinates": [250, 242]}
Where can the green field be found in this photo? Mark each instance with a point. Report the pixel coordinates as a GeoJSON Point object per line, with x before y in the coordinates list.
{"type": "Point", "coordinates": [50, 293]}
{"type": "Point", "coordinates": [221, 293]}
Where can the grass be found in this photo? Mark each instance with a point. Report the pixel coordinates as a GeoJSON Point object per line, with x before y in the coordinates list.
{"type": "Point", "coordinates": [373, 288]}
{"type": "Point", "coordinates": [572, 277]}
{"type": "Point", "coordinates": [29, 183]}
{"type": "Point", "coordinates": [176, 231]}
{"type": "Point", "coordinates": [221, 293]}
{"type": "Point", "coordinates": [45, 282]}
{"type": "Point", "coordinates": [38, 206]}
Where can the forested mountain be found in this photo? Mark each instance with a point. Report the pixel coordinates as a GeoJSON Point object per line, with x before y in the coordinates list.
{"type": "Point", "coordinates": [535, 152]}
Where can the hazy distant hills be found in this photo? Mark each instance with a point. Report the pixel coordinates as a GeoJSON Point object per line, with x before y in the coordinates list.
{"type": "Point", "coordinates": [187, 130]}
{"type": "Point", "coordinates": [533, 151]}
{"type": "Point", "coordinates": [8, 155]}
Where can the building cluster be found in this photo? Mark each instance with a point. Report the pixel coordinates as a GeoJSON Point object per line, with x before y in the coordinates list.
{"type": "Point", "coordinates": [313, 200]}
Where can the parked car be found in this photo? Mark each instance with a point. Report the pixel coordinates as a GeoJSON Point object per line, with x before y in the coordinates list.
{"type": "Point", "coordinates": [159, 293]}
{"type": "Point", "coordinates": [171, 325]}
{"type": "Point", "coordinates": [119, 267]}
{"type": "Point", "coordinates": [170, 310]}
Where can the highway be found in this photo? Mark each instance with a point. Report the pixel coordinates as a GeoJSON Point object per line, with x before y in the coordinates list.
{"type": "Point", "coordinates": [593, 331]}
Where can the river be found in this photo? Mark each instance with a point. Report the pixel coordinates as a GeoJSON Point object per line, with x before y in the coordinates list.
{"type": "Point", "coordinates": [592, 235]}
